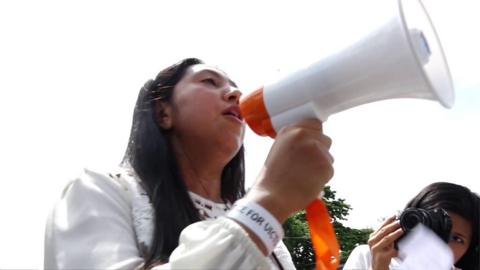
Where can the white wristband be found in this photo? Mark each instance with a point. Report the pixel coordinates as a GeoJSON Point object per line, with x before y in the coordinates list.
{"type": "Point", "coordinates": [259, 220]}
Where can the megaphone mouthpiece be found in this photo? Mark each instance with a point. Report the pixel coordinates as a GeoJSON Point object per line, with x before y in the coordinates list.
{"type": "Point", "coordinates": [421, 45]}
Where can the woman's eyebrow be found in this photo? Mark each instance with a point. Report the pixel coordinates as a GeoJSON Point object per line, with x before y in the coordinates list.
{"type": "Point", "coordinates": [219, 76]}
{"type": "Point", "coordinates": [459, 234]}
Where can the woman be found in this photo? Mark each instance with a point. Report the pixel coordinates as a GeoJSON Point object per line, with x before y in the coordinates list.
{"type": "Point", "coordinates": [171, 205]}
{"type": "Point", "coordinates": [462, 206]}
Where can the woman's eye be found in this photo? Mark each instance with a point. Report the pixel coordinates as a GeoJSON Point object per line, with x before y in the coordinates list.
{"type": "Point", "coordinates": [209, 81]}
{"type": "Point", "coordinates": [457, 239]}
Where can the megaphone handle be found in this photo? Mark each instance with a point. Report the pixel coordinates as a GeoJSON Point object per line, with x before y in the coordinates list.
{"type": "Point", "coordinates": [323, 236]}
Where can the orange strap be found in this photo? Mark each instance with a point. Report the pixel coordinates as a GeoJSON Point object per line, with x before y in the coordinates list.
{"type": "Point", "coordinates": [323, 236]}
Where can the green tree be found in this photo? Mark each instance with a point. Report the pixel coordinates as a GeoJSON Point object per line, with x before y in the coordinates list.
{"type": "Point", "coordinates": [297, 234]}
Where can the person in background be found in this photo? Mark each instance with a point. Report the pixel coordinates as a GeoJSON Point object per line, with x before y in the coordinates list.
{"type": "Point", "coordinates": [462, 206]}
{"type": "Point", "coordinates": [178, 199]}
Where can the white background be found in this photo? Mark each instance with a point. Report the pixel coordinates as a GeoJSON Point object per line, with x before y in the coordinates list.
{"type": "Point", "coordinates": [70, 72]}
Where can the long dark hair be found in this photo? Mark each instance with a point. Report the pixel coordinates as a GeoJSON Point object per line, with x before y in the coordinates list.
{"type": "Point", "coordinates": [460, 200]}
{"type": "Point", "coordinates": [150, 155]}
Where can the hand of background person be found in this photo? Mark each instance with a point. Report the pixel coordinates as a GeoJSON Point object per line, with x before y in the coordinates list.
{"type": "Point", "coordinates": [296, 170]}
{"type": "Point", "coordinates": [381, 243]}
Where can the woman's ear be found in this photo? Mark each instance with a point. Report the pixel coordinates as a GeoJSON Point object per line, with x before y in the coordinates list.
{"type": "Point", "coordinates": [163, 114]}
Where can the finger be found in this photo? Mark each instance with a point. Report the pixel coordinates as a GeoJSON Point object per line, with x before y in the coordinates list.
{"type": "Point", "coordinates": [385, 223]}
{"type": "Point", "coordinates": [389, 239]}
{"type": "Point", "coordinates": [325, 140]}
{"type": "Point", "coordinates": [383, 232]}
{"type": "Point", "coordinates": [388, 220]}
{"type": "Point", "coordinates": [326, 153]}
{"type": "Point", "coordinates": [387, 229]}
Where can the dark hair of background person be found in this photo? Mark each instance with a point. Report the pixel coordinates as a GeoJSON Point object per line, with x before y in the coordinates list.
{"type": "Point", "coordinates": [150, 154]}
{"type": "Point", "coordinates": [460, 200]}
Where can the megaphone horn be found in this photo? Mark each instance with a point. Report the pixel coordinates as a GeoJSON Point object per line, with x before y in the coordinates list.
{"type": "Point", "coordinates": [402, 59]}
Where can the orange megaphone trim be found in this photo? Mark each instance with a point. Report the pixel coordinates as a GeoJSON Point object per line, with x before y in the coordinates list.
{"type": "Point", "coordinates": [255, 114]}
{"type": "Point", "coordinates": [323, 236]}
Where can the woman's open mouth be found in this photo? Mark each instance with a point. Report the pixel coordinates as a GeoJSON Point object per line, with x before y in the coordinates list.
{"type": "Point", "coordinates": [234, 112]}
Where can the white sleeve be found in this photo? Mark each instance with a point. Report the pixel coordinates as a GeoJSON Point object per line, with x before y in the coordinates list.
{"type": "Point", "coordinates": [216, 244]}
{"type": "Point", "coordinates": [91, 228]}
{"type": "Point", "coordinates": [284, 256]}
{"type": "Point", "coordinates": [359, 259]}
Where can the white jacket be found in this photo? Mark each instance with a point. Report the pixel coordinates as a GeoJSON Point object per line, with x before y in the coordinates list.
{"type": "Point", "coordinates": [361, 259]}
{"type": "Point", "coordinates": [103, 221]}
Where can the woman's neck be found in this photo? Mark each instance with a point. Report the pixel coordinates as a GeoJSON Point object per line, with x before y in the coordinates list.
{"type": "Point", "coordinates": [200, 173]}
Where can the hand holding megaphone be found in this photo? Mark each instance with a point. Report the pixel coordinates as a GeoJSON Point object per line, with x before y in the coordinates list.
{"type": "Point", "coordinates": [296, 170]}
{"type": "Point", "coordinates": [402, 59]}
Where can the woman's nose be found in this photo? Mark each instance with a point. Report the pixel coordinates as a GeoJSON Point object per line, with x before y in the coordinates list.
{"type": "Point", "coordinates": [233, 95]}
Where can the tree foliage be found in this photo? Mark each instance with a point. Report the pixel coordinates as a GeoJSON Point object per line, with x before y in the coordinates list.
{"type": "Point", "coordinates": [297, 234]}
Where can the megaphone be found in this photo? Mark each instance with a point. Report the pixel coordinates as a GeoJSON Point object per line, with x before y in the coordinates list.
{"type": "Point", "coordinates": [401, 59]}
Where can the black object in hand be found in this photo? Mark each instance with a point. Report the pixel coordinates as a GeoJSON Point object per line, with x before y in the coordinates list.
{"type": "Point", "coordinates": [436, 219]}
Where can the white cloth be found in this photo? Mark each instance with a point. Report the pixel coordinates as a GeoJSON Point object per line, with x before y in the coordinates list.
{"type": "Point", "coordinates": [423, 249]}
{"type": "Point", "coordinates": [104, 221]}
{"type": "Point", "coordinates": [361, 259]}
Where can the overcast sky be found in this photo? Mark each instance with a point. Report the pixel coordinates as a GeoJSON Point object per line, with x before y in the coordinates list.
{"type": "Point", "coordinates": [70, 73]}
